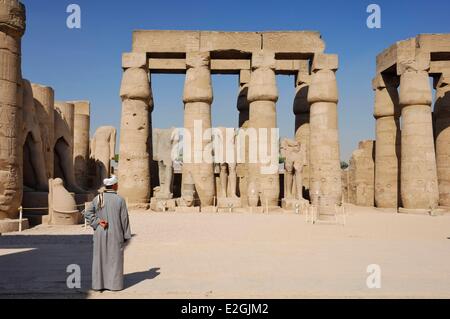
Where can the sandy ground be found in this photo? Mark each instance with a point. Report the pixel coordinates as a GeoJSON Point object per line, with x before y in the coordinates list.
{"type": "Point", "coordinates": [241, 256]}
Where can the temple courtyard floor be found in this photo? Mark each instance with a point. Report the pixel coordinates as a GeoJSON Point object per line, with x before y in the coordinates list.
{"type": "Point", "coordinates": [241, 256]}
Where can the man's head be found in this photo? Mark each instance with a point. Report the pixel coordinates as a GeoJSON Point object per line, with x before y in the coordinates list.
{"type": "Point", "coordinates": [111, 183]}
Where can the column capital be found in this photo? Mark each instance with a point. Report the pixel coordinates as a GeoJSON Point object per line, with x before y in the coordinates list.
{"type": "Point", "coordinates": [323, 61]}
{"type": "Point", "coordinates": [415, 88]}
{"type": "Point", "coordinates": [197, 59]}
{"type": "Point", "coordinates": [421, 62]}
{"type": "Point", "coordinates": [12, 18]}
{"type": "Point", "coordinates": [263, 60]}
{"type": "Point", "coordinates": [134, 60]}
{"type": "Point", "coordinates": [197, 86]}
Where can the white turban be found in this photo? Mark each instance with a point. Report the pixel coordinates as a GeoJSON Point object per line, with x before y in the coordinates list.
{"type": "Point", "coordinates": [110, 181]}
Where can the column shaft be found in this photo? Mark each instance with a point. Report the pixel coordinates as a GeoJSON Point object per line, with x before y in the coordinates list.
{"type": "Point", "coordinates": [325, 171]}
{"type": "Point", "coordinates": [81, 142]}
{"type": "Point", "coordinates": [388, 146]}
{"type": "Point", "coordinates": [12, 20]}
{"type": "Point", "coordinates": [419, 187]}
{"type": "Point", "coordinates": [263, 95]}
{"type": "Point", "coordinates": [135, 130]}
{"type": "Point", "coordinates": [197, 99]}
{"type": "Point", "coordinates": [442, 130]}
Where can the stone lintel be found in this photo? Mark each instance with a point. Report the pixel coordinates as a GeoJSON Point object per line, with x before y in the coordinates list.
{"type": "Point", "coordinates": [222, 66]}
{"type": "Point", "coordinates": [227, 44]}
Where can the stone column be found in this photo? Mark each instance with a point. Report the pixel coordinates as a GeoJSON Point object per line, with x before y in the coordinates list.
{"type": "Point", "coordinates": [81, 142]}
{"type": "Point", "coordinates": [388, 146]}
{"type": "Point", "coordinates": [244, 109]}
{"type": "Point", "coordinates": [12, 28]}
{"type": "Point", "coordinates": [325, 169]}
{"type": "Point", "coordinates": [419, 184]}
{"type": "Point", "coordinates": [44, 102]}
{"type": "Point", "coordinates": [442, 129]}
{"type": "Point", "coordinates": [135, 130]}
{"type": "Point", "coordinates": [302, 114]}
{"type": "Point", "coordinates": [262, 96]}
{"type": "Point", "coordinates": [198, 97]}
{"type": "Point", "coordinates": [363, 174]}
{"type": "Point", "coordinates": [67, 110]}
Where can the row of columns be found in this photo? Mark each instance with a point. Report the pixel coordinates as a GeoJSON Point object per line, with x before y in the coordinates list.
{"type": "Point", "coordinates": [316, 125]}
{"type": "Point", "coordinates": [412, 168]}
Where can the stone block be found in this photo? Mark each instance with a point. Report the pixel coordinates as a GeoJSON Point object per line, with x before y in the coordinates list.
{"type": "Point", "coordinates": [134, 60]}
{"type": "Point", "coordinates": [324, 61]}
{"type": "Point", "coordinates": [229, 203]}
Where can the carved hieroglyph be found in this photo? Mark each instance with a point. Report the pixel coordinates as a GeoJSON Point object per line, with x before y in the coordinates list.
{"type": "Point", "coordinates": [135, 131]}
{"type": "Point", "coordinates": [325, 170]}
{"type": "Point", "coordinates": [12, 28]}
{"type": "Point", "coordinates": [197, 98]}
{"type": "Point", "coordinates": [262, 96]}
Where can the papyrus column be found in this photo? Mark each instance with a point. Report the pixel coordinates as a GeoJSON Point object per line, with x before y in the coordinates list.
{"type": "Point", "coordinates": [387, 154]}
{"type": "Point", "coordinates": [302, 114]}
{"type": "Point", "coordinates": [198, 96]}
{"type": "Point", "coordinates": [262, 96]}
{"type": "Point", "coordinates": [81, 142]}
{"type": "Point", "coordinates": [12, 28]}
{"type": "Point", "coordinates": [44, 102]}
{"type": "Point", "coordinates": [419, 184]}
{"type": "Point", "coordinates": [325, 169]}
{"type": "Point", "coordinates": [442, 129]}
{"type": "Point", "coordinates": [135, 130]}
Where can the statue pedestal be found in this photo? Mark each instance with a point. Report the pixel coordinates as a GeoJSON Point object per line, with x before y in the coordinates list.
{"type": "Point", "coordinates": [162, 204]}
{"type": "Point", "coordinates": [12, 225]}
{"type": "Point", "coordinates": [185, 209]}
{"type": "Point", "coordinates": [229, 202]}
{"type": "Point", "coordinates": [209, 209]}
{"type": "Point", "coordinates": [293, 204]}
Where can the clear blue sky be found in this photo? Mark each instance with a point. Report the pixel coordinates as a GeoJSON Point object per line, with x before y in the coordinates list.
{"type": "Point", "coordinates": [86, 63]}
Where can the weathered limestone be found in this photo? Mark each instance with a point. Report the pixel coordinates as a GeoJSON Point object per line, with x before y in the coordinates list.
{"type": "Point", "coordinates": [135, 131]}
{"type": "Point", "coordinates": [419, 184]}
{"type": "Point", "coordinates": [62, 206]}
{"type": "Point", "coordinates": [12, 28]}
{"type": "Point", "coordinates": [197, 99]}
{"type": "Point", "coordinates": [388, 146]}
{"type": "Point", "coordinates": [225, 155]}
{"type": "Point", "coordinates": [442, 132]}
{"type": "Point", "coordinates": [302, 114]}
{"type": "Point", "coordinates": [81, 141]}
{"type": "Point", "coordinates": [262, 96]}
{"type": "Point", "coordinates": [64, 119]}
{"type": "Point", "coordinates": [102, 151]}
{"type": "Point", "coordinates": [325, 171]}
{"type": "Point", "coordinates": [34, 173]}
{"type": "Point", "coordinates": [295, 159]}
{"type": "Point", "coordinates": [362, 175]}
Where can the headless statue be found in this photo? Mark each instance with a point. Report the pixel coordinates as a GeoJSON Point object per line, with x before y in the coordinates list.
{"type": "Point", "coordinates": [225, 155]}
{"type": "Point", "coordinates": [37, 180]}
{"type": "Point", "coordinates": [103, 150]}
{"type": "Point", "coordinates": [295, 159]}
{"type": "Point", "coordinates": [164, 140]}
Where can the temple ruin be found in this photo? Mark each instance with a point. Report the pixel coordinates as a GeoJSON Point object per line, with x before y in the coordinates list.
{"type": "Point", "coordinates": [257, 57]}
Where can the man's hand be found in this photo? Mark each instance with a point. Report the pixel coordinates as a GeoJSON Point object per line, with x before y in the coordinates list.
{"type": "Point", "coordinates": [103, 224]}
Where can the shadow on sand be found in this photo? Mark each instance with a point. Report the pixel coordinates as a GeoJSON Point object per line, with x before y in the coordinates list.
{"type": "Point", "coordinates": [36, 266]}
